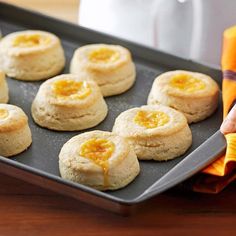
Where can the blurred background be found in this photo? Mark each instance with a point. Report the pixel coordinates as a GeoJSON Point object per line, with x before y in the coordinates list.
{"type": "Point", "coordinates": [187, 28]}
{"type": "Point", "coordinates": [64, 9]}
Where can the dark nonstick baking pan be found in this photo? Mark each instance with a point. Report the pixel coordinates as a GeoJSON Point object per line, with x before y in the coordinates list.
{"type": "Point", "coordinates": [39, 164]}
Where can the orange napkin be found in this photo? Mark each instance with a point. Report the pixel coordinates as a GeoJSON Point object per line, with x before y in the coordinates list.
{"type": "Point", "coordinates": [223, 171]}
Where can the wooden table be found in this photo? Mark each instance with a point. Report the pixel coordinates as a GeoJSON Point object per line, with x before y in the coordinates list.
{"type": "Point", "coordinates": [29, 210]}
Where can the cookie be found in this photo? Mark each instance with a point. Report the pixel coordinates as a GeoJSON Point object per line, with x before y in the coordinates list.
{"type": "Point", "coordinates": [99, 159]}
{"type": "Point", "coordinates": [156, 132]}
{"type": "Point", "coordinates": [31, 55]}
{"type": "Point", "coordinates": [110, 66]}
{"type": "Point", "coordinates": [194, 94]}
{"type": "Point", "coordinates": [69, 103]}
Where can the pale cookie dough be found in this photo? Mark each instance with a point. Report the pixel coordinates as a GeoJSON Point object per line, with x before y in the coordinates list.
{"type": "Point", "coordinates": [194, 94]}
{"type": "Point", "coordinates": [15, 134]}
{"type": "Point", "coordinates": [156, 132]}
{"type": "Point", "coordinates": [4, 97]}
{"type": "Point", "coordinates": [31, 55]}
{"type": "Point", "coordinates": [69, 103]}
{"type": "Point", "coordinates": [110, 66]}
{"type": "Point", "coordinates": [99, 159]}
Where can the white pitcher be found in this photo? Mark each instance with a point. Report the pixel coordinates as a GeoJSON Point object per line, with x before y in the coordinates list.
{"type": "Point", "coordinates": [189, 28]}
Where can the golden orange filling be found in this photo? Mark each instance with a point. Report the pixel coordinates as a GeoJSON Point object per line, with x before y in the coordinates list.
{"type": "Point", "coordinates": [99, 151]}
{"type": "Point", "coordinates": [72, 89]}
{"type": "Point", "coordinates": [3, 113]}
{"type": "Point", "coordinates": [151, 119]}
{"type": "Point", "coordinates": [104, 55]}
{"type": "Point", "coordinates": [30, 40]}
{"type": "Point", "coordinates": [187, 83]}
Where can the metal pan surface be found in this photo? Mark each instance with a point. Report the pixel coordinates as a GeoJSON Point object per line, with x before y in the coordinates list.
{"type": "Point", "coordinates": [39, 164]}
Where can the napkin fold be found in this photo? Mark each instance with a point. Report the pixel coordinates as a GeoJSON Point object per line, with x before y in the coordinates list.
{"type": "Point", "coordinates": [223, 171]}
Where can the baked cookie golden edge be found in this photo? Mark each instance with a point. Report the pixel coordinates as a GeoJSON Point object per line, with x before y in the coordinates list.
{"type": "Point", "coordinates": [101, 172]}
{"type": "Point", "coordinates": [110, 66]}
{"type": "Point", "coordinates": [15, 134]}
{"type": "Point", "coordinates": [31, 55]}
{"type": "Point", "coordinates": [156, 132]}
{"type": "Point", "coordinates": [4, 96]}
{"type": "Point", "coordinates": [68, 103]}
{"type": "Point", "coordinates": [194, 94]}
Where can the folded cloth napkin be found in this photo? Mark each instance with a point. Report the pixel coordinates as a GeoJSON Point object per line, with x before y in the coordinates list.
{"type": "Point", "coordinates": [223, 171]}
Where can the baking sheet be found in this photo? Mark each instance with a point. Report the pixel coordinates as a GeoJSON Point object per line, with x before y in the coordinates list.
{"type": "Point", "coordinates": [42, 157]}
